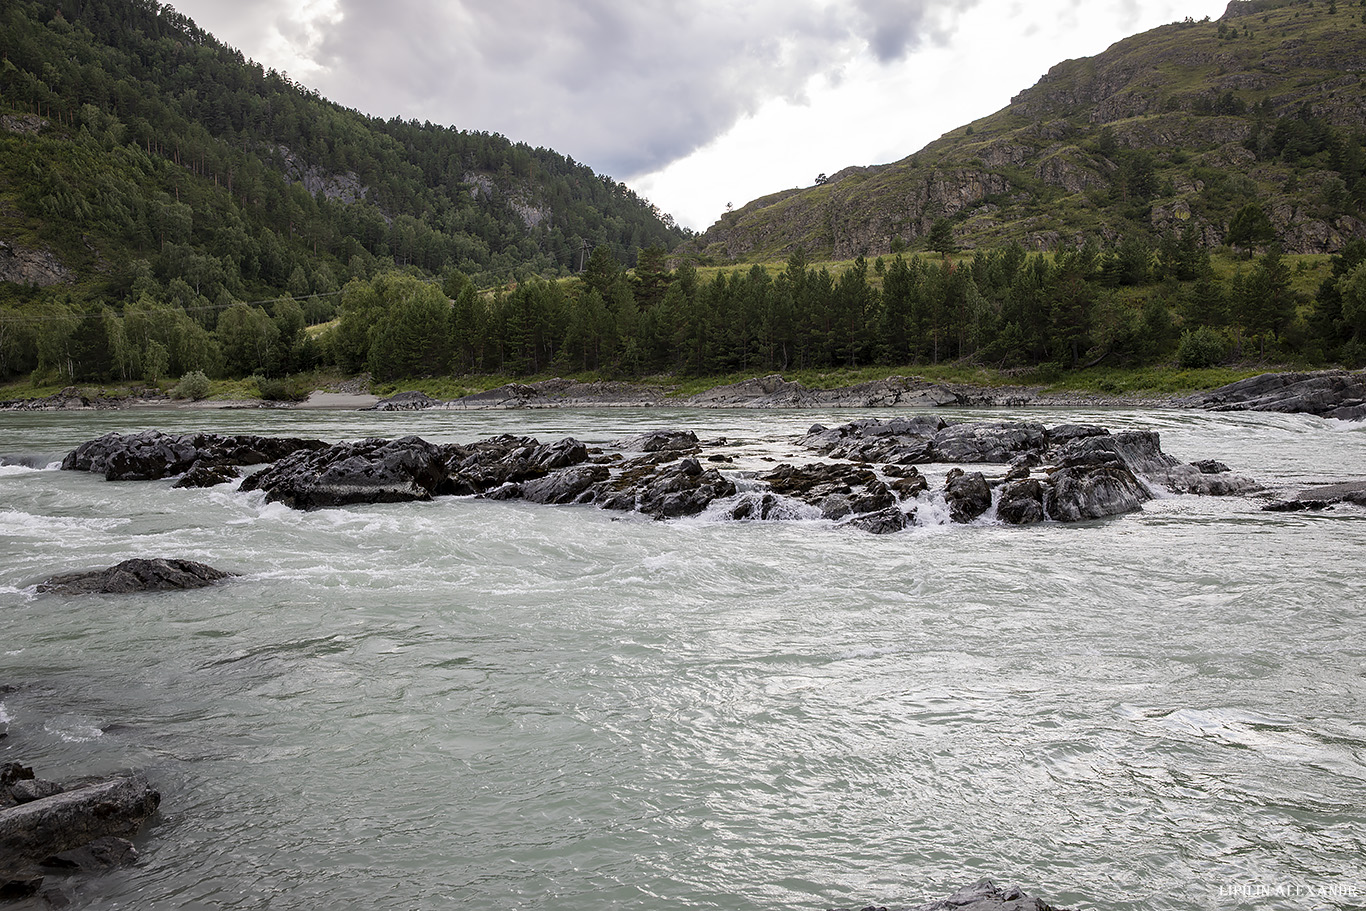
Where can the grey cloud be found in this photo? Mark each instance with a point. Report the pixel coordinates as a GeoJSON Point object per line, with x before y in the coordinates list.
{"type": "Point", "coordinates": [624, 85]}
{"type": "Point", "coordinates": [894, 28]}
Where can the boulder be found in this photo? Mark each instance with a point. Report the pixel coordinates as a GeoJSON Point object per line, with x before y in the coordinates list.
{"type": "Point", "coordinates": [991, 443]}
{"type": "Point", "coordinates": [571, 485]}
{"type": "Point", "coordinates": [202, 474]}
{"type": "Point", "coordinates": [136, 575]}
{"type": "Point", "coordinates": [33, 831]}
{"type": "Point", "coordinates": [684, 489]}
{"type": "Point", "coordinates": [1022, 503]}
{"type": "Point", "coordinates": [883, 522]}
{"type": "Point", "coordinates": [900, 441]}
{"type": "Point", "coordinates": [1093, 491]}
{"type": "Point", "coordinates": [482, 466]}
{"type": "Point", "coordinates": [405, 401]}
{"type": "Point", "coordinates": [660, 441]}
{"type": "Point", "coordinates": [368, 471]}
{"type": "Point", "coordinates": [967, 495]}
{"type": "Point", "coordinates": [1321, 496]}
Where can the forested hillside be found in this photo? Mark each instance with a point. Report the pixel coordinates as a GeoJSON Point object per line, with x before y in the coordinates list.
{"type": "Point", "coordinates": [167, 209]}
{"type": "Point", "coordinates": [143, 164]}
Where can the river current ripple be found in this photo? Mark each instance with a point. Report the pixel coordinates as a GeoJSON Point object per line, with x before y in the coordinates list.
{"type": "Point", "coordinates": [474, 703]}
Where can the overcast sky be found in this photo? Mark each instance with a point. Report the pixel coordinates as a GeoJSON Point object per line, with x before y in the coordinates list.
{"type": "Point", "coordinates": [695, 104]}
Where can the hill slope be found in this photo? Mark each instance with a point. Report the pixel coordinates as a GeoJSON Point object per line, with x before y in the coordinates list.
{"type": "Point", "coordinates": [1176, 128]}
{"type": "Point", "coordinates": [136, 148]}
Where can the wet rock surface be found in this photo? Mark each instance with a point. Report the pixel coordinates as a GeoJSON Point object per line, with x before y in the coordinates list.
{"type": "Point", "coordinates": [77, 826]}
{"type": "Point", "coordinates": [367, 471]}
{"type": "Point", "coordinates": [405, 401]}
{"type": "Point", "coordinates": [137, 575]}
{"type": "Point", "coordinates": [152, 455]}
{"type": "Point", "coordinates": [1321, 497]}
{"type": "Point", "coordinates": [867, 476]}
{"type": "Point", "coordinates": [984, 895]}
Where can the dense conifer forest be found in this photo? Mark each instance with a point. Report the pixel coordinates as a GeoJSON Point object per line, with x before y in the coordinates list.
{"type": "Point", "coordinates": [212, 216]}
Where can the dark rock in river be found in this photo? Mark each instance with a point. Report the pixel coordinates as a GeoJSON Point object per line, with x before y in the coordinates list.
{"type": "Point", "coordinates": [506, 459]}
{"type": "Point", "coordinates": [883, 522]}
{"type": "Point", "coordinates": [660, 441]}
{"type": "Point", "coordinates": [684, 489]}
{"type": "Point", "coordinates": [837, 490]}
{"type": "Point", "coordinates": [967, 495]}
{"type": "Point", "coordinates": [136, 576]}
{"type": "Point", "coordinates": [1022, 503]}
{"type": "Point", "coordinates": [984, 895]}
{"type": "Point", "coordinates": [1093, 491]}
{"type": "Point", "coordinates": [152, 455]}
{"type": "Point", "coordinates": [368, 471]}
{"type": "Point", "coordinates": [900, 441]}
{"type": "Point", "coordinates": [1322, 496]}
{"type": "Point", "coordinates": [207, 475]}
{"type": "Point", "coordinates": [1087, 472]}
{"type": "Point", "coordinates": [994, 443]}
{"type": "Point", "coordinates": [570, 485]}
{"type": "Point", "coordinates": [34, 831]}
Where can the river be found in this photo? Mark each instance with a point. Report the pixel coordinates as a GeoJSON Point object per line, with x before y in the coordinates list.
{"type": "Point", "coordinates": [468, 703]}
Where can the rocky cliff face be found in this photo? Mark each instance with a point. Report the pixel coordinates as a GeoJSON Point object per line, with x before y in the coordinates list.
{"type": "Point", "coordinates": [27, 266]}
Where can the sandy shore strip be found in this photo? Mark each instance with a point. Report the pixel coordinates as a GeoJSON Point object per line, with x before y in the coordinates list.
{"type": "Point", "coordinates": [345, 400]}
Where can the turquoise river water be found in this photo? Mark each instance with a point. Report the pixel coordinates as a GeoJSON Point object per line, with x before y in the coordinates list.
{"type": "Point", "coordinates": [480, 704]}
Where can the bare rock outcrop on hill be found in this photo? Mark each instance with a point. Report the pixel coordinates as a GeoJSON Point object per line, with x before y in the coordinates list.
{"type": "Point", "coordinates": [22, 265]}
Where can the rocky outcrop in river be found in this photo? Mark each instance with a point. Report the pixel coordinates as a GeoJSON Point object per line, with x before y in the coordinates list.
{"type": "Point", "coordinates": [135, 575]}
{"type": "Point", "coordinates": [152, 455]}
{"type": "Point", "coordinates": [1067, 473]}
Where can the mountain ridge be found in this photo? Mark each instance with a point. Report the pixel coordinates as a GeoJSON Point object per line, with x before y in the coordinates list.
{"type": "Point", "coordinates": [115, 114]}
{"type": "Point", "coordinates": [1103, 146]}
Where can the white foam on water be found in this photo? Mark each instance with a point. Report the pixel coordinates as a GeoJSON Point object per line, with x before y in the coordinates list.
{"type": "Point", "coordinates": [73, 730]}
{"type": "Point", "coordinates": [931, 510]}
{"type": "Point", "coordinates": [18, 522]}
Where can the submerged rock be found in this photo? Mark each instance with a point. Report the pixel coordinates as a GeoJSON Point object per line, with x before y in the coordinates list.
{"type": "Point", "coordinates": [1321, 496]}
{"type": "Point", "coordinates": [984, 895]}
{"type": "Point", "coordinates": [136, 575]}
